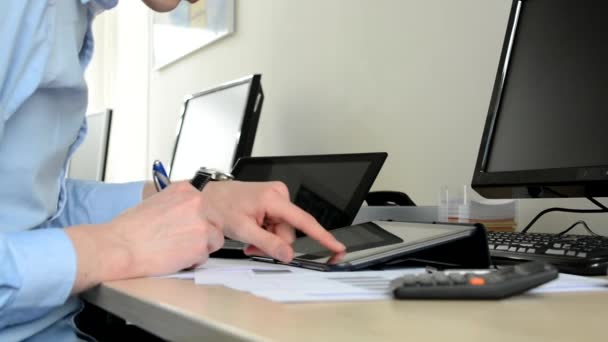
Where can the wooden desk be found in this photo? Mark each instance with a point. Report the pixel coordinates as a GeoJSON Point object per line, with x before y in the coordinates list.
{"type": "Point", "coordinates": [182, 311]}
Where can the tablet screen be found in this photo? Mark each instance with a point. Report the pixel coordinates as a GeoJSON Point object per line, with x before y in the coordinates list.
{"type": "Point", "coordinates": [329, 187]}
{"type": "Point", "coordinates": [356, 238]}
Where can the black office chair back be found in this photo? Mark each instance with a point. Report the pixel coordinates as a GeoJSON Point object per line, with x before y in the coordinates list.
{"type": "Point", "coordinates": [389, 198]}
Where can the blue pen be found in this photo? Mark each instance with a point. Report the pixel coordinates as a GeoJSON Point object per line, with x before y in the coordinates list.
{"type": "Point", "coordinates": [161, 180]}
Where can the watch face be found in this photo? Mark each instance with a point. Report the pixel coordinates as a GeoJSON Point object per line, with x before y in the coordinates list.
{"type": "Point", "coordinates": [221, 176]}
{"type": "Point", "coordinates": [213, 174]}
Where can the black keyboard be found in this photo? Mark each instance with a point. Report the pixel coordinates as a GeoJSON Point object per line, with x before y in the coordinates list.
{"type": "Point", "coordinates": [575, 254]}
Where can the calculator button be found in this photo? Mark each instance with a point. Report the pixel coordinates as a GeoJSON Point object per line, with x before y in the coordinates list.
{"type": "Point", "coordinates": [441, 279]}
{"type": "Point", "coordinates": [409, 281]}
{"type": "Point", "coordinates": [493, 278]}
{"type": "Point", "coordinates": [457, 278]}
{"type": "Point", "coordinates": [477, 281]}
{"type": "Point", "coordinates": [425, 280]}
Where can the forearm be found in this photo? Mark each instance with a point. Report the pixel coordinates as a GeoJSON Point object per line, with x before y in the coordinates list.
{"type": "Point", "coordinates": [100, 255]}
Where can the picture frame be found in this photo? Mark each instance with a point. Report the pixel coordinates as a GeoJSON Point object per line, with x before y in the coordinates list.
{"type": "Point", "coordinates": [189, 27]}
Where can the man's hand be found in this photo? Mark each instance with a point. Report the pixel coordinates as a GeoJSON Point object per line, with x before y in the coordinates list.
{"type": "Point", "coordinates": [262, 215]}
{"type": "Point", "coordinates": [165, 233]}
{"type": "Point", "coordinates": [179, 226]}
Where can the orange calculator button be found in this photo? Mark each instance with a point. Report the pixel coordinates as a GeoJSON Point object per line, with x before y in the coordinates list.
{"type": "Point", "coordinates": [477, 281]}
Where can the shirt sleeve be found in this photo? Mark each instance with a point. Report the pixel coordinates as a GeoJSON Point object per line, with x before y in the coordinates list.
{"type": "Point", "coordinates": [25, 50]}
{"type": "Point", "coordinates": [37, 273]}
{"type": "Point", "coordinates": [38, 267]}
{"type": "Point", "coordinates": [90, 202]}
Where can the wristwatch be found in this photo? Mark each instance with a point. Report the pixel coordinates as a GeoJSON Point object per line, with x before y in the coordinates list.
{"type": "Point", "coordinates": [205, 175]}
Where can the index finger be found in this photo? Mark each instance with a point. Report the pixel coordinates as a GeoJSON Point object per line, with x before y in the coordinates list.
{"type": "Point", "coordinates": [290, 213]}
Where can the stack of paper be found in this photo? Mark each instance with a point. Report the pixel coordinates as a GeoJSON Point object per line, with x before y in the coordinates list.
{"type": "Point", "coordinates": [293, 285]}
{"type": "Point", "coordinates": [288, 284]}
{"type": "Point", "coordinates": [283, 283]}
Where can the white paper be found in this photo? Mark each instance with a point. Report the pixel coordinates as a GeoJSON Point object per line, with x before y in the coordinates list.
{"type": "Point", "coordinates": [573, 283]}
{"type": "Point", "coordinates": [288, 284]}
{"type": "Point", "coordinates": [233, 265]}
{"type": "Point", "coordinates": [284, 283]}
{"type": "Point", "coordinates": [293, 285]}
{"type": "Point", "coordinates": [180, 275]}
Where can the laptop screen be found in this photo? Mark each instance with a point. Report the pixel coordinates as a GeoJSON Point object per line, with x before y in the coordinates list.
{"type": "Point", "coordinates": [217, 127]}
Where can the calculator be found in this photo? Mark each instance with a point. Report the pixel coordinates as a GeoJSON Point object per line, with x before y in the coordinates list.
{"type": "Point", "coordinates": [494, 284]}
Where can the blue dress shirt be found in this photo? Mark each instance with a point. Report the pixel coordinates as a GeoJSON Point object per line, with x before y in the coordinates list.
{"type": "Point", "coordinates": [45, 46]}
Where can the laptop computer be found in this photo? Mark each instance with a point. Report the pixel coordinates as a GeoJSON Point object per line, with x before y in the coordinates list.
{"type": "Point", "coordinates": [217, 127]}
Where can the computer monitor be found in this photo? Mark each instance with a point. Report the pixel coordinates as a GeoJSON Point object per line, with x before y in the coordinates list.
{"type": "Point", "coordinates": [546, 133]}
{"type": "Point", "coordinates": [89, 160]}
{"type": "Point", "coordinates": [217, 127]}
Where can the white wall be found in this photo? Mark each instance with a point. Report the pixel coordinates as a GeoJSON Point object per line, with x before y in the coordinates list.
{"type": "Point", "coordinates": [409, 77]}
{"type": "Point", "coordinates": [118, 78]}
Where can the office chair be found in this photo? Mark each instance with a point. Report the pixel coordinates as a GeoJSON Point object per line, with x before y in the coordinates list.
{"type": "Point", "coordinates": [388, 198]}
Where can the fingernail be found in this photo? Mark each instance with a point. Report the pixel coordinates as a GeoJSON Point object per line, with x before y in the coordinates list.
{"type": "Point", "coordinates": [284, 254]}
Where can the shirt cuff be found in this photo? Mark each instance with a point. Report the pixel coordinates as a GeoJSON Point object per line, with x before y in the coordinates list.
{"type": "Point", "coordinates": [46, 262]}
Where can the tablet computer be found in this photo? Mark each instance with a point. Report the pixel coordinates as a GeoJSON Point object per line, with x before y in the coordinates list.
{"type": "Point", "coordinates": [374, 243]}
{"type": "Point", "coordinates": [330, 187]}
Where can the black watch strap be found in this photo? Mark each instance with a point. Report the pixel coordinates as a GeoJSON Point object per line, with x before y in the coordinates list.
{"type": "Point", "coordinates": [199, 181]}
{"type": "Point", "coordinates": [204, 176]}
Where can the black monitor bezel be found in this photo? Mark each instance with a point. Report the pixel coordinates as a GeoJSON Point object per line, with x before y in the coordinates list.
{"type": "Point", "coordinates": [375, 159]}
{"type": "Point", "coordinates": [251, 116]}
{"type": "Point", "coordinates": [106, 147]}
{"type": "Point", "coordinates": [559, 182]}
